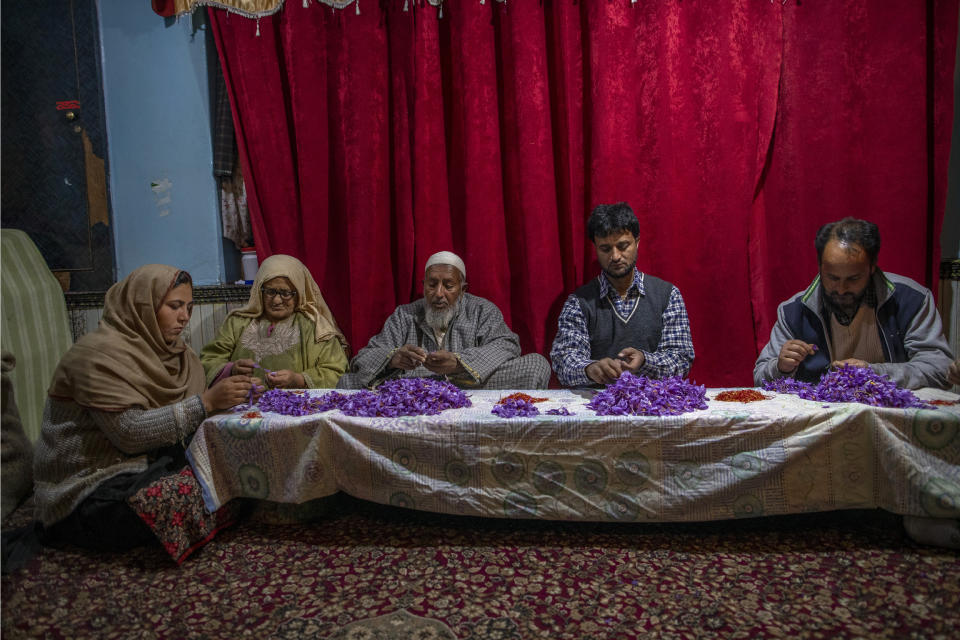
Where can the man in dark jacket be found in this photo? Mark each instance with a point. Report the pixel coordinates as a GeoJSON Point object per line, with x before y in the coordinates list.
{"type": "Point", "coordinates": [854, 313]}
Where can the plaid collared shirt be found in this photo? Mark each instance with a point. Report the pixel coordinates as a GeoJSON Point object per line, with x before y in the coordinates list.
{"type": "Point", "coordinates": [570, 354]}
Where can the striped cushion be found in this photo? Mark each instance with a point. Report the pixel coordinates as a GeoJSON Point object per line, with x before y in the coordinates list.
{"type": "Point", "coordinates": [35, 327]}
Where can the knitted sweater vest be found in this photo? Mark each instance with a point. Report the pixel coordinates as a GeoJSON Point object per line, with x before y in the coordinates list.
{"type": "Point", "coordinates": [609, 333]}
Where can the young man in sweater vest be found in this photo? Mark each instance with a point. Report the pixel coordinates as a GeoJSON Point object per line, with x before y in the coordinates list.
{"type": "Point", "coordinates": [854, 313]}
{"type": "Point", "coordinates": [624, 319]}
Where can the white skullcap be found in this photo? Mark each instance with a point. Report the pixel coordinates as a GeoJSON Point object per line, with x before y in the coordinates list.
{"type": "Point", "coordinates": [446, 257]}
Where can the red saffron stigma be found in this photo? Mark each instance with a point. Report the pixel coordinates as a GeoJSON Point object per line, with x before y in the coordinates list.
{"type": "Point", "coordinates": [742, 395]}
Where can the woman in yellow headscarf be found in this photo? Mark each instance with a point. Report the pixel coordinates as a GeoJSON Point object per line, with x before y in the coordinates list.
{"type": "Point", "coordinates": [285, 335]}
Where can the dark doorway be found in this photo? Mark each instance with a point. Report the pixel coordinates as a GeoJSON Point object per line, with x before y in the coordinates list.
{"type": "Point", "coordinates": [54, 171]}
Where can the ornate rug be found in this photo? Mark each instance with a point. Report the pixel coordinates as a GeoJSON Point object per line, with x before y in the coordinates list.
{"type": "Point", "coordinates": [366, 571]}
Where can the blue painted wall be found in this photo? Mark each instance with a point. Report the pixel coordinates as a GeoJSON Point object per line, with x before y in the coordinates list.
{"type": "Point", "coordinates": [158, 105]}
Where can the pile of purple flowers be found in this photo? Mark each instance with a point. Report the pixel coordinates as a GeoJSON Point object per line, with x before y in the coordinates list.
{"type": "Point", "coordinates": [850, 384]}
{"type": "Point", "coordinates": [288, 403]}
{"type": "Point", "coordinates": [514, 408]}
{"type": "Point", "coordinates": [403, 397]}
{"type": "Point", "coordinates": [634, 395]}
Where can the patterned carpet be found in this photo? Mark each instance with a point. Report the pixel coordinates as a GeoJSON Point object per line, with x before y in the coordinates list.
{"type": "Point", "coordinates": [372, 572]}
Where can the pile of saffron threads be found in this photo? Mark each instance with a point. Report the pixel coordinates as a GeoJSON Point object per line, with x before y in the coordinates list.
{"type": "Point", "coordinates": [741, 395]}
{"type": "Point", "coordinates": [521, 396]}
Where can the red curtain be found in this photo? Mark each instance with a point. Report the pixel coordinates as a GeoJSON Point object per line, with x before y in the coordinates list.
{"type": "Point", "coordinates": [735, 128]}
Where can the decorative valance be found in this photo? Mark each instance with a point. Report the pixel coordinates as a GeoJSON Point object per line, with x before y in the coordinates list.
{"type": "Point", "coordinates": [248, 8]}
{"type": "Point", "coordinates": [261, 8]}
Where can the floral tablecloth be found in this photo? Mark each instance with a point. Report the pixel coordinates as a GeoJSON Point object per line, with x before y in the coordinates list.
{"type": "Point", "coordinates": [777, 456]}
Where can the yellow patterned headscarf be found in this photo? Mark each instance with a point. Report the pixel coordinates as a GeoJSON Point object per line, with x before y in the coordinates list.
{"type": "Point", "coordinates": [309, 300]}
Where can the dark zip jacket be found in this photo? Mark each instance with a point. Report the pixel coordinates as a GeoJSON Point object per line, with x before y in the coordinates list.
{"type": "Point", "coordinates": [916, 353]}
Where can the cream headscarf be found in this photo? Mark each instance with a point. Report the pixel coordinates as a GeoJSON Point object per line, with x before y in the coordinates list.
{"type": "Point", "coordinates": [309, 301]}
{"type": "Point", "coordinates": [125, 363]}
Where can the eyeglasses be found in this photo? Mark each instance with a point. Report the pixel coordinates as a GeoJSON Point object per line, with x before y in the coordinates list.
{"type": "Point", "coordinates": [285, 294]}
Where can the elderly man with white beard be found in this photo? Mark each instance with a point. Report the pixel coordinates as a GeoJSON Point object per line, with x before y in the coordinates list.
{"type": "Point", "coordinates": [448, 334]}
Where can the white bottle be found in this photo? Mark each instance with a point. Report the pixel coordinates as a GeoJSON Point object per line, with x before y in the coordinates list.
{"type": "Point", "coordinates": [249, 264]}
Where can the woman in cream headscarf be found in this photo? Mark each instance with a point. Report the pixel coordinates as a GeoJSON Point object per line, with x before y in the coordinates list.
{"type": "Point", "coordinates": [124, 401]}
{"type": "Point", "coordinates": [285, 335]}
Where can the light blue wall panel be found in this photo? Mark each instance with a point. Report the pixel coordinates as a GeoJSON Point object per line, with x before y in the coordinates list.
{"type": "Point", "coordinates": [157, 99]}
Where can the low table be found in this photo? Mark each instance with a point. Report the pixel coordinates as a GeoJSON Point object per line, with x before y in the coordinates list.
{"type": "Point", "coordinates": [777, 456]}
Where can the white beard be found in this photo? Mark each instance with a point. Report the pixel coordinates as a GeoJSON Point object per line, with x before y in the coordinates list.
{"type": "Point", "coordinates": [440, 320]}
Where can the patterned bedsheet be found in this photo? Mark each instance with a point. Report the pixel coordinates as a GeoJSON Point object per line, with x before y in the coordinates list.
{"type": "Point", "coordinates": [777, 456]}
